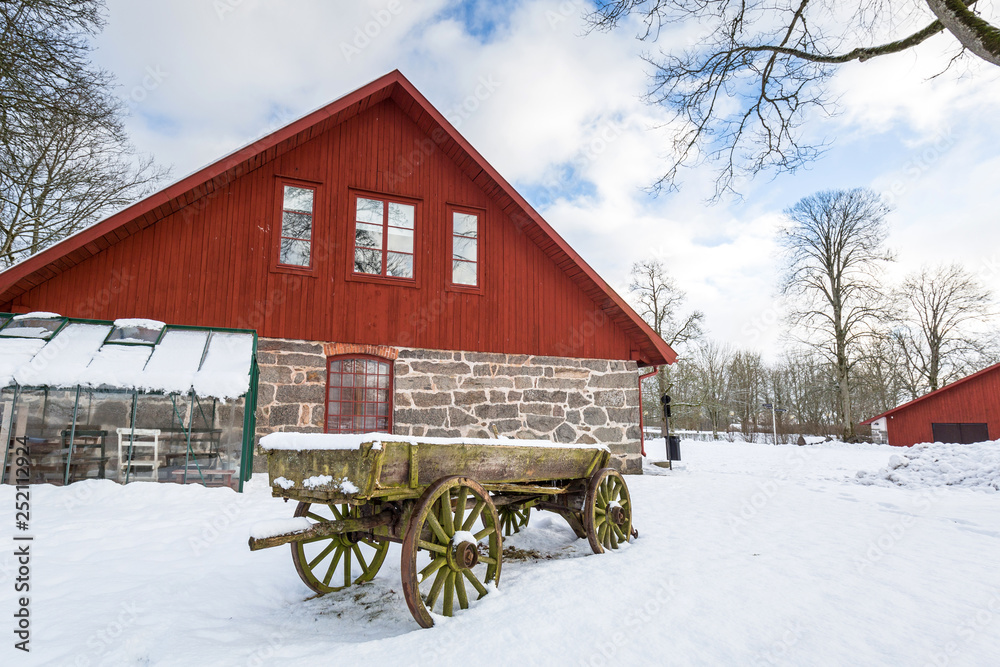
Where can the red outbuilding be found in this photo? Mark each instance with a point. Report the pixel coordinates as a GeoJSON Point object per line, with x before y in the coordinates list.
{"type": "Point", "coordinates": [395, 280]}
{"type": "Point", "coordinates": [965, 411]}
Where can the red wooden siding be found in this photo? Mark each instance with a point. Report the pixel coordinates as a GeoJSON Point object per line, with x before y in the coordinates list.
{"type": "Point", "coordinates": [975, 399]}
{"type": "Point", "coordinates": [210, 263]}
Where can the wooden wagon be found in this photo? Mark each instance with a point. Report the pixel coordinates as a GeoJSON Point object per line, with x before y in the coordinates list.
{"type": "Point", "coordinates": [448, 502]}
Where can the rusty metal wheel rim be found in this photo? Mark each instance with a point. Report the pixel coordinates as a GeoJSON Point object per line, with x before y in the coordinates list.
{"type": "Point", "coordinates": [607, 498]}
{"type": "Point", "coordinates": [331, 564]}
{"type": "Point", "coordinates": [434, 550]}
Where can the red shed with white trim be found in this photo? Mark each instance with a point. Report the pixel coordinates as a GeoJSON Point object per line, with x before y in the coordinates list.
{"type": "Point", "coordinates": [965, 411]}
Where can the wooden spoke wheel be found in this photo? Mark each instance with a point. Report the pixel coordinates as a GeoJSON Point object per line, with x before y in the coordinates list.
{"type": "Point", "coordinates": [451, 550]}
{"type": "Point", "coordinates": [329, 564]}
{"type": "Point", "coordinates": [513, 519]}
{"type": "Point", "coordinates": [607, 511]}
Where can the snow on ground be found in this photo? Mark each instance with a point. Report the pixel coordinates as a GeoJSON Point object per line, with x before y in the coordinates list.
{"type": "Point", "coordinates": [748, 555]}
{"type": "Point", "coordinates": [931, 465]}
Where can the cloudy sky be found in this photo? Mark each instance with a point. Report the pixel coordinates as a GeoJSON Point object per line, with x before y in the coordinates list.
{"type": "Point", "coordinates": [559, 113]}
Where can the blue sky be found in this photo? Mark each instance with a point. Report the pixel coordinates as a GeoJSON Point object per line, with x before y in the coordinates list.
{"type": "Point", "coordinates": [559, 114]}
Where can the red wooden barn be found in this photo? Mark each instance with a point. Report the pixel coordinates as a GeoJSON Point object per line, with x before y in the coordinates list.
{"type": "Point", "coordinates": [396, 281]}
{"type": "Point", "coordinates": [965, 411]}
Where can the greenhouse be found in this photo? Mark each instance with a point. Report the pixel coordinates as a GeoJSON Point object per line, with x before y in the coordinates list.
{"type": "Point", "coordinates": [130, 400]}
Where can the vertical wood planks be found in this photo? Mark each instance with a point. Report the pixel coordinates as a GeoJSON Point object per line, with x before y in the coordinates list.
{"type": "Point", "coordinates": [209, 263]}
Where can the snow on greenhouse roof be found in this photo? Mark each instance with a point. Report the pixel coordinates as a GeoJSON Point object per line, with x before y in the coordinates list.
{"type": "Point", "coordinates": [212, 363]}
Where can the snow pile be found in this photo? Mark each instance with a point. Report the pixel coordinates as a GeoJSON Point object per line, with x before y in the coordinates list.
{"type": "Point", "coordinates": [317, 481]}
{"type": "Point", "coordinates": [39, 315]}
{"type": "Point", "coordinates": [139, 323]}
{"type": "Point", "coordinates": [935, 464]}
{"type": "Point", "coordinates": [461, 536]}
{"type": "Point", "coordinates": [63, 362]}
{"type": "Point", "coordinates": [284, 483]}
{"type": "Point", "coordinates": [15, 352]}
{"type": "Point", "coordinates": [225, 371]}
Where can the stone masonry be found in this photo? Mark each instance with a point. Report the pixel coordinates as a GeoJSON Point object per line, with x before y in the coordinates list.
{"type": "Point", "coordinates": [441, 393]}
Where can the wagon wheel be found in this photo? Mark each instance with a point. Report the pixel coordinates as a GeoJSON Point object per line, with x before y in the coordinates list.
{"type": "Point", "coordinates": [330, 564]}
{"type": "Point", "coordinates": [513, 519]}
{"type": "Point", "coordinates": [607, 512]}
{"type": "Point", "coordinates": [452, 540]}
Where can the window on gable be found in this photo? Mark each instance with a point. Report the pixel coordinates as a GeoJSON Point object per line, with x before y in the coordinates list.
{"type": "Point", "coordinates": [465, 248]}
{"type": "Point", "coordinates": [359, 395]}
{"type": "Point", "coordinates": [296, 225]}
{"type": "Point", "coordinates": [383, 237]}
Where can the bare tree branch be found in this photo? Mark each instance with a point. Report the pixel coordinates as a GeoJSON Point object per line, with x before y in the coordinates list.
{"type": "Point", "coordinates": [65, 160]}
{"type": "Point", "coordinates": [741, 92]}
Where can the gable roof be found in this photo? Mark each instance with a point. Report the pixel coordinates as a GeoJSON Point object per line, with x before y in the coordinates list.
{"type": "Point", "coordinates": [948, 387]}
{"type": "Point", "coordinates": [50, 262]}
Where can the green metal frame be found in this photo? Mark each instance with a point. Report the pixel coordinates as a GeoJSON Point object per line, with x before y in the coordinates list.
{"type": "Point", "coordinates": [249, 399]}
{"type": "Point", "coordinates": [249, 420]}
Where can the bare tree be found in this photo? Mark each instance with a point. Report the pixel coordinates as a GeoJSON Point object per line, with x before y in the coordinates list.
{"type": "Point", "coordinates": [880, 376]}
{"type": "Point", "coordinates": [659, 301]}
{"type": "Point", "coordinates": [835, 247]}
{"type": "Point", "coordinates": [741, 93]}
{"type": "Point", "coordinates": [942, 335]}
{"type": "Point", "coordinates": [810, 391]}
{"type": "Point", "coordinates": [746, 386]}
{"type": "Point", "coordinates": [65, 160]}
{"type": "Point", "coordinates": [713, 361]}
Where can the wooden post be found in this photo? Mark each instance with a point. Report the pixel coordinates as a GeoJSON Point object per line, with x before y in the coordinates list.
{"type": "Point", "coordinates": [665, 427]}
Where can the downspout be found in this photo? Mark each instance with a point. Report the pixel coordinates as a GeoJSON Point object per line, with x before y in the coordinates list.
{"type": "Point", "coordinates": [642, 430]}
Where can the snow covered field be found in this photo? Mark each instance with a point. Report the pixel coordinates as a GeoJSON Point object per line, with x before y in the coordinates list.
{"type": "Point", "coordinates": [748, 555]}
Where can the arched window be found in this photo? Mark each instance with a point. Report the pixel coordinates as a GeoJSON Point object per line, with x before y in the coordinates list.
{"type": "Point", "coordinates": [359, 395]}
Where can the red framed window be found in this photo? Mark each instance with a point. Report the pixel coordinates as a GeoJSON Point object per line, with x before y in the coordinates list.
{"type": "Point", "coordinates": [384, 233]}
{"type": "Point", "coordinates": [465, 237]}
{"type": "Point", "coordinates": [359, 395]}
{"type": "Point", "coordinates": [297, 213]}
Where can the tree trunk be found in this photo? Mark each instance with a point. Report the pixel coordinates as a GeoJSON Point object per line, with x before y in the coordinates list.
{"type": "Point", "coordinates": [970, 30]}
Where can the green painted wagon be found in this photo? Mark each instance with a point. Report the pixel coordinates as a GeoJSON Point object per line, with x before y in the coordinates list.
{"type": "Point", "coordinates": [449, 502]}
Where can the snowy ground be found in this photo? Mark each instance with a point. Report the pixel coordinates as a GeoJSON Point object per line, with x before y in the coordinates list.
{"type": "Point", "coordinates": [748, 554]}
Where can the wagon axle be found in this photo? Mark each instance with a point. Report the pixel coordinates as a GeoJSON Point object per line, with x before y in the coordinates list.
{"type": "Point", "coordinates": [617, 515]}
{"type": "Point", "coordinates": [464, 555]}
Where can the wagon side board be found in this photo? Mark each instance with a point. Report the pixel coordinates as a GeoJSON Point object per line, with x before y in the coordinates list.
{"type": "Point", "coordinates": [397, 470]}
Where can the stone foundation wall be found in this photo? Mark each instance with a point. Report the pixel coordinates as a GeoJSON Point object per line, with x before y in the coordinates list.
{"type": "Point", "coordinates": [455, 394]}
